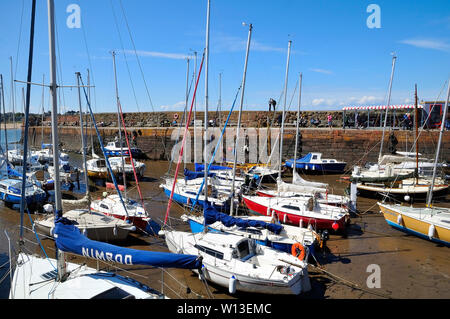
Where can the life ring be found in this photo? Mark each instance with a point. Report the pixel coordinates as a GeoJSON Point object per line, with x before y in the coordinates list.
{"type": "Point", "coordinates": [298, 251]}
{"type": "Point", "coordinates": [175, 116]}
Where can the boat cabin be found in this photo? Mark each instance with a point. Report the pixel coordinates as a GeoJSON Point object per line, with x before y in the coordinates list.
{"type": "Point", "coordinates": [227, 247]}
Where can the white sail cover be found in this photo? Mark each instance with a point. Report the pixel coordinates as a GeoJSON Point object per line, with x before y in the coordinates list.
{"type": "Point", "coordinates": [298, 180]}
{"type": "Point", "coordinates": [287, 187]}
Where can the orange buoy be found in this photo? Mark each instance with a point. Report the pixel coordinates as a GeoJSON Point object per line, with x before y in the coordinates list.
{"type": "Point", "coordinates": [298, 251]}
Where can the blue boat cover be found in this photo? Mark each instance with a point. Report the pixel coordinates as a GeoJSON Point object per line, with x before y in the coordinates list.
{"type": "Point", "coordinates": [304, 159]}
{"type": "Point", "coordinates": [211, 215]}
{"type": "Point", "coordinates": [13, 172]}
{"type": "Point", "coordinates": [44, 145]}
{"type": "Point", "coordinates": [188, 175]}
{"type": "Point", "coordinates": [201, 167]}
{"type": "Point", "coordinates": [68, 238]}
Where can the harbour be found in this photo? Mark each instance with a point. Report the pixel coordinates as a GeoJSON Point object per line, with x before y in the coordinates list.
{"type": "Point", "coordinates": [410, 267]}
{"type": "Point", "coordinates": [203, 201]}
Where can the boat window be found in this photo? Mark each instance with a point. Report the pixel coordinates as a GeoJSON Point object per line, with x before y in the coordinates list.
{"type": "Point", "coordinates": [209, 251]}
{"type": "Point", "coordinates": [251, 231]}
{"type": "Point", "coordinates": [291, 207]}
{"type": "Point", "coordinates": [314, 157]}
{"type": "Point", "coordinates": [3, 186]}
{"type": "Point", "coordinates": [191, 193]}
{"type": "Point", "coordinates": [104, 206]}
{"type": "Point", "coordinates": [243, 249]}
{"type": "Point", "coordinates": [332, 161]}
{"type": "Point", "coordinates": [325, 161]}
{"type": "Point", "coordinates": [114, 293]}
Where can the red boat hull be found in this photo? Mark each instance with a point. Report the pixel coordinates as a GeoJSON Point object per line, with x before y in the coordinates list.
{"type": "Point", "coordinates": [295, 219]}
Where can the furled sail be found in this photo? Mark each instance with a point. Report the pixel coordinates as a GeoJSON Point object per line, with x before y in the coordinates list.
{"type": "Point", "coordinates": [68, 238]}
{"type": "Point", "coordinates": [211, 216]}
{"type": "Point", "coordinates": [188, 175]}
{"type": "Point", "coordinates": [200, 167]}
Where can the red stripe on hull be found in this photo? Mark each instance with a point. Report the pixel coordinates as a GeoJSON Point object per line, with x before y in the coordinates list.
{"type": "Point", "coordinates": [294, 219]}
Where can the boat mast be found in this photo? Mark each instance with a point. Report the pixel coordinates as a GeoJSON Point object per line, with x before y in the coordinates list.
{"type": "Point", "coordinates": [297, 126]}
{"type": "Point", "coordinates": [186, 101]}
{"type": "Point", "coordinates": [83, 142]}
{"type": "Point", "coordinates": [250, 27]}
{"type": "Point", "coordinates": [27, 111]}
{"type": "Point", "coordinates": [416, 117]}
{"type": "Point", "coordinates": [13, 98]}
{"type": "Point", "coordinates": [205, 160]}
{"type": "Point", "coordinates": [444, 118]}
{"type": "Point", "coordinates": [195, 109]}
{"type": "Point", "coordinates": [119, 125]}
{"type": "Point", "coordinates": [284, 108]}
{"type": "Point", "coordinates": [394, 58]}
{"type": "Point", "coordinates": [4, 117]}
{"type": "Point", "coordinates": [61, 267]}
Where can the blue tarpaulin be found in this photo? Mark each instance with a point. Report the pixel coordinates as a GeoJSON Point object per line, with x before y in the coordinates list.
{"type": "Point", "coordinates": [68, 238]}
{"type": "Point", "coordinates": [13, 172]}
{"type": "Point", "coordinates": [188, 175]}
{"type": "Point", "coordinates": [201, 167]}
{"type": "Point", "coordinates": [211, 216]}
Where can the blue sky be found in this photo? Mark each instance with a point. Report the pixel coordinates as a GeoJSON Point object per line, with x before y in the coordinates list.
{"type": "Point", "coordinates": [342, 60]}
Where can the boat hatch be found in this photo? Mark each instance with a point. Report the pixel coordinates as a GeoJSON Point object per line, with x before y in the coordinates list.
{"type": "Point", "coordinates": [209, 251]}
{"type": "Point", "coordinates": [244, 250]}
{"type": "Point", "coordinates": [114, 293]}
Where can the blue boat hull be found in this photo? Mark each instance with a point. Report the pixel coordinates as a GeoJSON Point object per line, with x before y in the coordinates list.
{"type": "Point", "coordinates": [317, 167]}
{"type": "Point", "coordinates": [183, 200]}
{"type": "Point", "coordinates": [412, 232]}
{"type": "Point", "coordinates": [16, 199]}
{"type": "Point", "coordinates": [136, 153]}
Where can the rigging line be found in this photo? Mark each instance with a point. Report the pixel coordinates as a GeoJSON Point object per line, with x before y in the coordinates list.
{"type": "Point", "coordinates": [90, 64]}
{"type": "Point", "coordinates": [137, 57]}
{"type": "Point", "coordinates": [131, 156]}
{"type": "Point", "coordinates": [124, 55]}
{"type": "Point", "coordinates": [59, 68]}
{"type": "Point", "coordinates": [182, 143]}
{"type": "Point", "coordinates": [18, 42]}
{"type": "Point", "coordinates": [215, 150]}
{"type": "Point", "coordinates": [37, 238]}
{"type": "Point", "coordinates": [103, 148]}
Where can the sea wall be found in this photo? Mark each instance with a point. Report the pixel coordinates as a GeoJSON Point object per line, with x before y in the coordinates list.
{"type": "Point", "coordinates": [350, 145]}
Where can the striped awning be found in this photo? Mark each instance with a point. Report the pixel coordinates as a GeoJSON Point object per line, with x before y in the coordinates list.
{"type": "Point", "coordinates": [381, 107]}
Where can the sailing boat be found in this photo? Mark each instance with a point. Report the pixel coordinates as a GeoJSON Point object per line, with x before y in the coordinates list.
{"type": "Point", "coordinates": [94, 225]}
{"type": "Point", "coordinates": [301, 188]}
{"type": "Point", "coordinates": [432, 223]}
{"type": "Point", "coordinates": [40, 278]}
{"type": "Point", "coordinates": [384, 178]}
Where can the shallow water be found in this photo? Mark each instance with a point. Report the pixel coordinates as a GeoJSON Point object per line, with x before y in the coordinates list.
{"type": "Point", "coordinates": [410, 267]}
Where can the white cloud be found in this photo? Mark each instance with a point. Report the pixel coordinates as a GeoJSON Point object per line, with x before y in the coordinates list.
{"type": "Point", "coordinates": [166, 55]}
{"type": "Point", "coordinates": [174, 107]}
{"type": "Point", "coordinates": [322, 71]}
{"type": "Point", "coordinates": [435, 44]}
{"type": "Point", "coordinates": [233, 44]}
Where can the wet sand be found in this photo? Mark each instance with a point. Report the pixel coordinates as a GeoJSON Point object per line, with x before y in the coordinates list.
{"type": "Point", "coordinates": [410, 267]}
